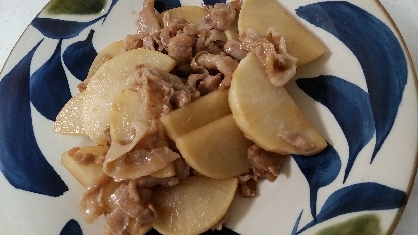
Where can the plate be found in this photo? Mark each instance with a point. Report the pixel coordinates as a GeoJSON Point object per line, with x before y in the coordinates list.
{"type": "Point", "coordinates": [361, 95]}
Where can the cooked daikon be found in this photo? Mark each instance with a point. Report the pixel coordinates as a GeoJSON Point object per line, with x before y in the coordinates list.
{"type": "Point", "coordinates": [217, 150]}
{"type": "Point", "coordinates": [105, 83]}
{"type": "Point", "coordinates": [268, 115]}
{"type": "Point", "coordinates": [263, 14]}
{"type": "Point", "coordinates": [193, 206]}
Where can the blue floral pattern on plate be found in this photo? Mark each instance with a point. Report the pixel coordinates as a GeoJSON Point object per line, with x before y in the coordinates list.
{"type": "Point", "coordinates": [366, 114]}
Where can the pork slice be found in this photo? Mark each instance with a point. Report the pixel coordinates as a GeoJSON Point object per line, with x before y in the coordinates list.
{"type": "Point", "coordinates": [234, 49]}
{"type": "Point", "coordinates": [265, 164]}
{"type": "Point", "coordinates": [91, 201]}
{"type": "Point", "coordinates": [147, 22]}
{"type": "Point", "coordinates": [132, 208]}
{"type": "Point", "coordinates": [180, 48]}
{"type": "Point", "coordinates": [297, 141]}
{"type": "Point", "coordinates": [271, 51]}
{"type": "Point", "coordinates": [219, 16]}
{"type": "Point", "coordinates": [222, 15]}
{"type": "Point", "coordinates": [151, 182]}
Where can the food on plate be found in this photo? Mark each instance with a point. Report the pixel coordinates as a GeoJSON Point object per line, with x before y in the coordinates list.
{"type": "Point", "coordinates": [112, 50]}
{"type": "Point", "coordinates": [168, 171]}
{"type": "Point", "coordinates": [191, 14]}
{"type": "Point", "coordinates": [127, 107]}
{"type": "Point", "coordinates": [84, 163]}
{"type": "Point", "coordinates": [217, 150]}
{"type": "Point", "coordinates": [104, 84]}
{"type": "Point", "coordinates": [268, 115]}
{"type": "Point", "coordinates": [197, 114]}
{"type": "Point", "coordinates": [264, 14]}
{"type": "Point", "coordinates": [186, 113]}
{"type": "Point", "coordinates": [69, 120]}
{"type": "Point", "coordinates": [185, 209]}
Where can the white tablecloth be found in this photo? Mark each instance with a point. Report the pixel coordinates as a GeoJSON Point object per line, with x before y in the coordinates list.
{"type": "Point", "coordinates": [15, 15]}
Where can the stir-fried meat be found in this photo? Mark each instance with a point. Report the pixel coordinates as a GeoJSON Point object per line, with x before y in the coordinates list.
{"type": "Point", "coordinates": [180, 48]}
{"type": "Point", "coordinates": [84, 158]}
{"type": "Point", "coordinates": [182, 41]}
{"type": "Point", "coordinates": [150, 181]}
{"type": "Point", "coordinates": [143, 40]}
{"type": "Point", "coordinates": [210, 83]}
{"type": "Point", "coordinates": [210, 40]}
{"type": "Point", "coordinates": [116, 222]}
{"type": "Point", "coordinates": [191, 30]}
{"type": "Point", "coordinates": [140, 162]}
{"type": "Point", "coordinates": [156, 91]}
{"type": "Point", "coordinates": [265, 164]}
{"type": "Point", "coordinates": [297, 141]}
{"type": "Point", "coordinates": [147, 21]}
{"type": "Point", "coordinates": [139, 129]}
{"type": "Point", "coordinates": [173, 23]}
{"type": "Point", "coordinates": [234, 49]}
{"type": "Point", "coordinates": [248, 188]}
{"type": "Point", "coordinates": [223, 63]}
{"type": "Point", "coordinates": [182, 168]}
{"type": "Point", "coordinates": [133, 41]}
{"type": "Point", "coordinates": [91, 202]}
{"type": "Point", "coordinates": [155, 138]}
{"type": "Point", "coordinates": [204, 83]}
{"type": "Point", "coordinates": [148, 30]}
{"type": "Point", "coordinates": [206, 61]}
{"type": "Point", "coordinates": [247, 185]}
{"type": "Point", "coordinates": [133, 201]}
{"type": "Point", "coordinates": [174, 26]}
{"type": "Point", "coordinates": [152, 42]}
{"type": "Point", "coordinates": [147, 150]}
{"type": "Point", "coordinates": [181, 98]}
{"type": "Point", "coordinates": [271, 51]}
{"type": "Point", "coordinates": [82, 86]}
{"type": "Point", "coordinates": [161, 90]}
{"type": "Point", "coordinates": [222, 15]}
{"type": "Point", "coordinates": [133, 205]}
{"type": "Point", "coordinates": [219, 16]}
{"type": "Point", "coordinates": [146, 154]}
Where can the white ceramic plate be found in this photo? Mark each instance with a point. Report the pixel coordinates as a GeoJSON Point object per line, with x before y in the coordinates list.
{"type": "Point", "coordinates": [361, 95]}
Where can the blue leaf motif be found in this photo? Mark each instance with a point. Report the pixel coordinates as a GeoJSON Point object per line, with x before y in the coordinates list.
{"type": "Point", "coordinates": [60, 29]}
{"type": "Point", "coordinates": [295, 228]}
{"type": "Point", "coordinates": [212, 2]}
{"type": "Point", "coordinates": [112, 5]}
{"type": "Point", "coordinates": [110, 9]}
{"type": "Point", "coordinates": [320, 170]}
{"type": "Point", "coordinates": [49, 90]}
{"type": "Point", "coordinates": [71, 228]}
{"type": "Point", "coordinates": [21, 160]}
{"type": "Point", "coordinates": [359, 197]}
{"type": "Point", "coordinates": [377, 49]}
{"type": "Point", "coordinates": [163, 5]}
{"type": "Point", "coordinates": [355, 119]}
{"type": "Point", "coordinates": [79, 56]}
